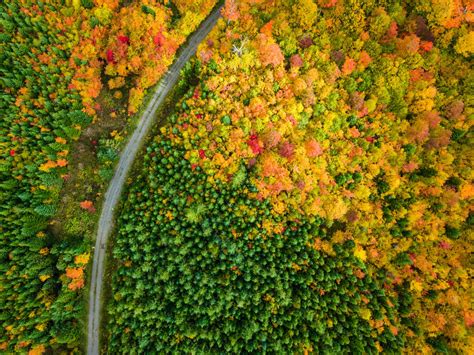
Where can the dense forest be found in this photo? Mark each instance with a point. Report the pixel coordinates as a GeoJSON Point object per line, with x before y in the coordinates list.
{"type": "Point", "coordinates": [311, 191]}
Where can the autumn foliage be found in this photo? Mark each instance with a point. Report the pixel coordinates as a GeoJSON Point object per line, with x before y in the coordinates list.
{"type": "Point", "coordinates": [357, 115]}
{"type": "Point", "coordinates": [132, 45]}
{"type": "Point", "coordinates": [313, 191]}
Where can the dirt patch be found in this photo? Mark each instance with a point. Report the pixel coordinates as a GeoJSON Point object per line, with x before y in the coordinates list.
{"type": "Point", "coordinates": [83, 181]}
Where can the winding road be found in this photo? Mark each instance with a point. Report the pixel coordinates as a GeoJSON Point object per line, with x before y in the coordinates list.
{"type": "Point", "coordinates": [127, 157]}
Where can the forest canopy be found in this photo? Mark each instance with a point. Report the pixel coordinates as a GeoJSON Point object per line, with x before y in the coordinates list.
{"type": "Point", "coordinates": [313, 192]}
{"type": "Point", "coordinates": [310, 191]}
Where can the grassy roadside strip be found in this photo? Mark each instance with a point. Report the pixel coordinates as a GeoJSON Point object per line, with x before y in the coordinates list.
{"type": "Point", "coordinates": [72, 223]}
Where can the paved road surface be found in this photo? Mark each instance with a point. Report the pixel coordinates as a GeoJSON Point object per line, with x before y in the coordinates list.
{"type": "Point", "coordinates": [127, 157]}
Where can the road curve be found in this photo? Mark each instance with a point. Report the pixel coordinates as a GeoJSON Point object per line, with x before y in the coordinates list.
{"type": "Point", "coordinates": [127, 156]}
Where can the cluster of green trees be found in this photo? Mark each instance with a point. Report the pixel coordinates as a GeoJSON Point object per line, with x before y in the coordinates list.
{"type": "Point", "coordinates": [39, 116]}
{"type": "Point", "coordinates": [198, 270]}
